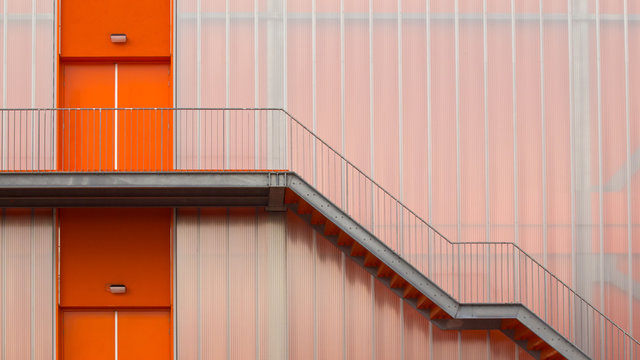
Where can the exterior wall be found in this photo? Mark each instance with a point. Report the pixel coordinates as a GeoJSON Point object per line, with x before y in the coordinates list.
{"type": "Point", "coordinates": [494, 120]}
{"type": "Point", "coordinates": [27, 50]}
{"type": "Point", "coordinates": [26, 282]}
{"type": "Point", "coordinates": [252, 284]}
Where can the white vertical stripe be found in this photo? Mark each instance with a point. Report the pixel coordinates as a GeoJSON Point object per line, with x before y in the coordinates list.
{"type": "Point", "coordinates": [487, 207]}
{"type": "Point", "coordinates": [33, 54]}
{"type": "Point", "coordinates": [314, 254]}
{"type": "Point", "coordinates": [284, 54]}
{"type": "Point", "coordinates": [574, 249]}
{"type": "Point", "coordinates": [458, 167]}
{"type": "Point", "coordinates": [544, 156]}
{"type": "Point", "coordinates": [628, 163]}
{"type": "Point", "coordinates": [3, 264]}
{"type": "Point", "coordinates": [115, 131]}
{"type": "Point", "coordinates": [228, 284]}
{"type": "Point", "coordinates": [227, 59]}
{"type": "Point", "coordinates": [600, 178]}
{"type": "Point", "coordinates": [371, 129]}
{"type": "Point", "coordinates": [342, 108]}
{"type": "Point", "coordinates": [199, 280]}
{"type": "Point", "coordinates": [400, 108]}
{"type": "Point", "coordinates": [116, 333]}
{"type": "Point", "coordinates": [53, 304]}
{"type": "Point", "coordinates": [256, 87]}
{"type": "Point", "coordinates": [344, 304]}
{"type": "Point", "coordinates": [429, 147]}
{"type": "Point", "coordinates": [174, 245]}
{"type": "Point", "coordinates": [515, 145]}
{"type": "Point", "coordinates": [32, 294]}
{"type": "Point", "coordinates": [314, 85]}
{"type": "Point", "coordinates": [33, 81]}
{"type": "Point", "coordinates": [5, 136]}
{"type": "Point", "coordinates": [198, 55]}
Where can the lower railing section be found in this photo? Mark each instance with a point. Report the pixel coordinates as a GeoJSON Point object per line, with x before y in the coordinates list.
{"type": "Point", "coordinates": [153, 140]}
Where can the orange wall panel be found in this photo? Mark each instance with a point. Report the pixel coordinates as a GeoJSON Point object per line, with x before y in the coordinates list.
{"type": "Point", "coordinates": [87, 26]}
{"type": "Point", "coordinates": [100, 247]}
{"type": "Point", "coordinates": [86, 138]}
{"type": "Point", "coordinates": [144, 335]}
{"type": "Point", "coordinates": [145, 136]}
{"type": "Point", "coordinates": [88, 335]}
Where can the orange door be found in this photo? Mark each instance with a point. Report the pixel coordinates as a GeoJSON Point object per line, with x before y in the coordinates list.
{"type": "Point", "coordinates": [88, 335]}
{"type": "Point", "coordinates": [144, 335]}
{"type": "Point", "coordinates": [132, 335]}
{"type": "Point", "coordinates": [100, 247]}
{"type": "Point", "coordinates": [86, 138]}
{"type": "Point", "coordinates": [147, 141]}
{"type": "Point", "coordinates": [124, 140]}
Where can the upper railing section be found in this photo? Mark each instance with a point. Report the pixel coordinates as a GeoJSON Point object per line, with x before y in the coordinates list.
{"type": "Point", "coordinates": [158, 140]}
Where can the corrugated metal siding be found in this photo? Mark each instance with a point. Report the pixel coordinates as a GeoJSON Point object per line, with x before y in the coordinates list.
{"type": "Point", "coordinates": [495, 120]}
{"type": "Point", "coordinates": [27, 49]}
{"type": "Point", "coordinates": [265, 285]}
{"type": "Point", "coordinates": [26, 284]}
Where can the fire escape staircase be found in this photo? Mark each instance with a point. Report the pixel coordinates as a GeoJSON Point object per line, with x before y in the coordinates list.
{"type": "Point", "coordinates": [589, 333]}
{"type": "Point", "coordinates": [278, 191]}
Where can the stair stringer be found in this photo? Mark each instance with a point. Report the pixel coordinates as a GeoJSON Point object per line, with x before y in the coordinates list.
{"type": "Point", "coordinates": [462, 316]}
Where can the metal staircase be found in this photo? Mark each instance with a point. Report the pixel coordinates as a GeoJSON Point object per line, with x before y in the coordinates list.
{"type": "Point", "coordinates": [479, 285]}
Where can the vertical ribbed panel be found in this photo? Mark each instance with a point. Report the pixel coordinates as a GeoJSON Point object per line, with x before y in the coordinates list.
{"type": "Point", "coordinates": [27, 82]}
{"type": "Point", "coordinates": [358, 312]}
{"type": "Point", "coordinates": [26, 292]}
{"type": "Point", "coordinates": [214, 238]}
{"type": "Point", "coordinates": [253, 284]}
{"type": "Point", "coordinates": [300, 288]}
{"type": "Point", "coordinates": [329, 301]}
{"type": "Point", "coordinates": [18, 287]}
{"type": "Point", "coordinates": [388, 327]}
{"type": "Point", "coordinates": [474, 345]}
{"type": "Point", "coordinates": [242, 284]}
{"type": "Point", "coordinates": [188, 287]}
{"type": "Point", "coordinates": [43, 296]}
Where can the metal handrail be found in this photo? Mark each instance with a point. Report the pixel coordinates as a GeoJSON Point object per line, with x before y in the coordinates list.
{"type": "Point", "coordinates": [50, 134]}
{"type": "Point", "coordinates": [518, 248]}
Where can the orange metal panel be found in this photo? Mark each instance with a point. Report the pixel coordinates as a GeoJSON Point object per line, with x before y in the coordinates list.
{"type": "Point", "coordinates": [86, 138]}
{"type": "Point", "coordinates": [87, 25]}
{"type": "Point", "coordinates": [144, 335]}
{"type": "Point", "coordinates": [144, 136]}
{"type": "Point", "coordinates": [115, 246]}
{"type": "Point", "coordinates": [88, 335]}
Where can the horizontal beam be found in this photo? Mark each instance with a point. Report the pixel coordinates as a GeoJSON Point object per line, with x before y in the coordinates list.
{"type": "Point", "coordinates": [174, 189]}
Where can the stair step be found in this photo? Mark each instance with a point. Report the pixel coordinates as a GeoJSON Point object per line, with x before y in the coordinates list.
{"type": "Point", "coordinates": [397, 281]}
{"type": "Point", "coordinates": [384, 271]}
{"type": "Point", "coordinates": [304, 208]}
{"type": "Point", "coordinates": [535, 343]}
{"type": "Point", "coordinates": [550, 353]}
{"type": "Point", "coordinates": [330, 229]}
{"type": "Point", "coordinates": [423, 302]}
{"type": "Point", "coordinates": [317, 218]}
{"type": "Point", "coordinates": [370, 260]}
{"type": "Point", "coordinates": [410, 292]}
{"type": "Point", "coordinates": [344, 239]}
{"type": "Point", "coordinates": [357, 250]}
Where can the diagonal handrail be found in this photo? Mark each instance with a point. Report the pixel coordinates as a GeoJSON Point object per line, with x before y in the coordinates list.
{"type": "Point", "coordinates": [629, 343]}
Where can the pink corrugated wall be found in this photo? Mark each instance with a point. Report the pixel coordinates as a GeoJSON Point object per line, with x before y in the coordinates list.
{"type": "Point", "coordinates": [254, 284]}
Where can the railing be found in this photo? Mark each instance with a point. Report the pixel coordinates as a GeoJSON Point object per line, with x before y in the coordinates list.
{"type": "Point", "coordinates": [271, 139]}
